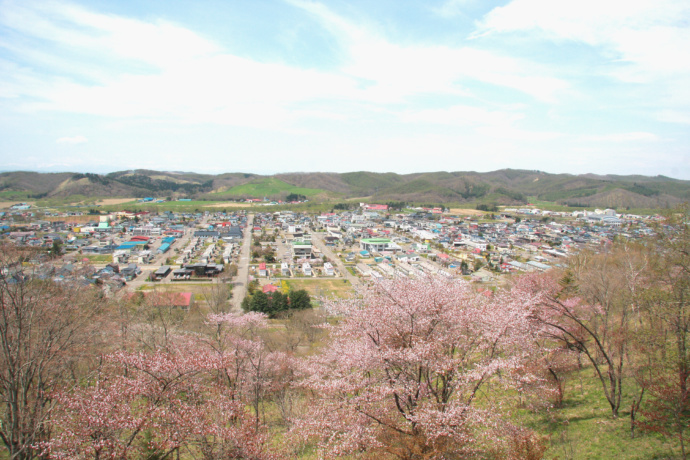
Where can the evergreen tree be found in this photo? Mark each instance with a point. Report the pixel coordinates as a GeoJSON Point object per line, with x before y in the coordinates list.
{"type": "Point", "coordinates": [279, 302]}
{"type": "Point", "coordinates": [300, 300]}
{"type": "Point", "coordinates": [260, 302]}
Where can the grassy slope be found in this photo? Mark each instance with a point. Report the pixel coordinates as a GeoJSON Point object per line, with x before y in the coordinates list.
{"type": "Point", "coordinates": [584, 429]}
{"type": "Point", "coordinates": [270, 186]}
{"type": "Point", "coordinates": [368, 183]}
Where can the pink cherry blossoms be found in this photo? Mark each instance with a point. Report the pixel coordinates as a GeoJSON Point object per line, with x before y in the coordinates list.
{"type": "Point", "coordinates": [409, 367]}
{"type": "Point", "coordinates": [174, 398]}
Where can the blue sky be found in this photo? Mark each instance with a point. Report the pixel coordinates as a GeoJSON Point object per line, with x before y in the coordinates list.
{"type": "Point", "coordinates": [270, 86]}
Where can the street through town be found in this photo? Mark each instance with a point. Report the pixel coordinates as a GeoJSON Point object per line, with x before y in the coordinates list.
{"type": "Point", "coordinates": [239, 290]}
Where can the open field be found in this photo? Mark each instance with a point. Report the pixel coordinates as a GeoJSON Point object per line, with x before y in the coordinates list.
{"type": "Point", "coordinates": [322, 287]}
{"type": "Point", "coordinates": [175, 206]}
{"type": "Point", "coordinates": [195, 288]}
{"type": "Point", "coordinates": [7, 204]}
{"type": "Point", "coordinates": [114, 201]}
{"type": "Point", "coordinates": [96, 258]}
{"type": "Point", "coordinates": [467, 212]}
{"type": "Point", "coordinates": [270, 186]}
{"type": "Point", "coordinates": [228, 204]}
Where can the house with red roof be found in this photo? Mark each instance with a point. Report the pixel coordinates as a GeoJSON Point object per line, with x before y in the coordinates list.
{"type": "Point", "coordinates": [270, 288]}
{"type": "Point", "coordinates": [374, 207]}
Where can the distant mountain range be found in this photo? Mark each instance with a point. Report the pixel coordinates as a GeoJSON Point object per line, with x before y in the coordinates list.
{"type": "Point", "coordinates": [503, 187]}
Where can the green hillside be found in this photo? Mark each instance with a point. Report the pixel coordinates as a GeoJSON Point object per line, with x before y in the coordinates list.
{"type": "Point", "coordinates": [369, 183]}
{"type": "Point", "coordinates": [269, 187]}
{"type": "Point", "coordinates": [503, 187]}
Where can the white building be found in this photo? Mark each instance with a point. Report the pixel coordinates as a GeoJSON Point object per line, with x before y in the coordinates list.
{"type": "Point", "coordinates": [328, 269]}
{"type": "Point", "coordinates": [306, 269]}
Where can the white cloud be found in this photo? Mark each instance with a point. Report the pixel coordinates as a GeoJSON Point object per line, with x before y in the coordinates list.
{"type": "Point", "coordinates": [489, 124]}
{"type": "Point", "coordinates": [623, 137]}
{"type": "Point", "coordinates": [106, 36]}
{"type": "Point", "coordinates": [71, 140]}
{"type": "Point", "coordinates": [515, 134]}
{"type": "Point", "coordinates": [674, 116]}
{"type": "Point", "coordinates": [650, 36]}
{"type": "Point", "coordinates": [387, 104]}
{"type": "Point", "coordinates": [106, 65]}
{"type": "Point", "coordinates": [156, 70]}
{"type": "Point", "coordinates": [396, 71]}
{"type": "Point", "coordinates": [462, 115]}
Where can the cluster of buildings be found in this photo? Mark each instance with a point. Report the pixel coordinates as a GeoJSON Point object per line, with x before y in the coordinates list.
{"type": "Point", "coordinates": [370, 241]}
{"type": "Point", "coordinates": [125, 241]}
{"type": "Point", "coordinates": [516, 240]}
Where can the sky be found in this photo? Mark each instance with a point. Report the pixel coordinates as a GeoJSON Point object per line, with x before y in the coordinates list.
{"type": "Point", "coordinates": [272, 86]}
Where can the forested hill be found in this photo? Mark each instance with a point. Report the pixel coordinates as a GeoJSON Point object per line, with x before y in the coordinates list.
{"type": "Point", "coordinates": [507, 187]}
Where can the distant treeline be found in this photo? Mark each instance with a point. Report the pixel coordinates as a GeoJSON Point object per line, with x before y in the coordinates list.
{"type": "Point", "coordinates": [161, 185]}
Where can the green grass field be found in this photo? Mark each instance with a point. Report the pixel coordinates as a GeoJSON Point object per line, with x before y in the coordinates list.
{"type": "Point", "coordinates": [322, 287]}
{"type": "Point", "coordinates": [269, 186]}
{"type": "Point", "coordinates": [12, 195]}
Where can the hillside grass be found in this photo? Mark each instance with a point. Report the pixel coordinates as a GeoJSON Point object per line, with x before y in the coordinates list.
{"type": "Point", "coordinates": [68, 201]}
{"type": "Point", "coordinates": [13, 195]}
{"type": "Point", "coordinates": [266, 187]}
{"type": "Point", "coordinates": [583, 427]}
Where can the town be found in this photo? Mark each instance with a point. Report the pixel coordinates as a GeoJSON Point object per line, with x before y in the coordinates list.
{"type": "Point", "coordinates": [141, 250]}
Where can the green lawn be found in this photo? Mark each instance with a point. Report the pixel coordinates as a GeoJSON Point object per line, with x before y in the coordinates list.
{"type": "Point", "coordinates": [270, 186]}
{"type": "Point", "coordinates": [322, 287]}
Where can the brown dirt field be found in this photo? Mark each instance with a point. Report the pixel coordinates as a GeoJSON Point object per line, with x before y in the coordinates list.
{"type": "Point", "coordinates": [7, 204]}
{"type": "Point", "coordinates": [229, 204]}
{"type": "Point", "coordinates": [109, 201]}
{"type": "Point", "coordinates": [467, 212]}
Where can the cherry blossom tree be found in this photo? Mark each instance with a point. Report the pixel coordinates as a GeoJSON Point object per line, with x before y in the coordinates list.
{"type": "Point", "coordinates": [406, 365]}
{"type": "Point", "coordinates": [155, 403]}
{"type": "Point", "coordinates": [243, 362]}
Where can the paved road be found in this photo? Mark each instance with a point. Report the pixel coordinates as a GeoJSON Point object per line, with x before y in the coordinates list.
{"type": "Point", "coordinates": [239, 290]}
{"type": "Point", "coordinates": [159, 259]}
{"type": "Point", "coordinates": [317, 240]}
